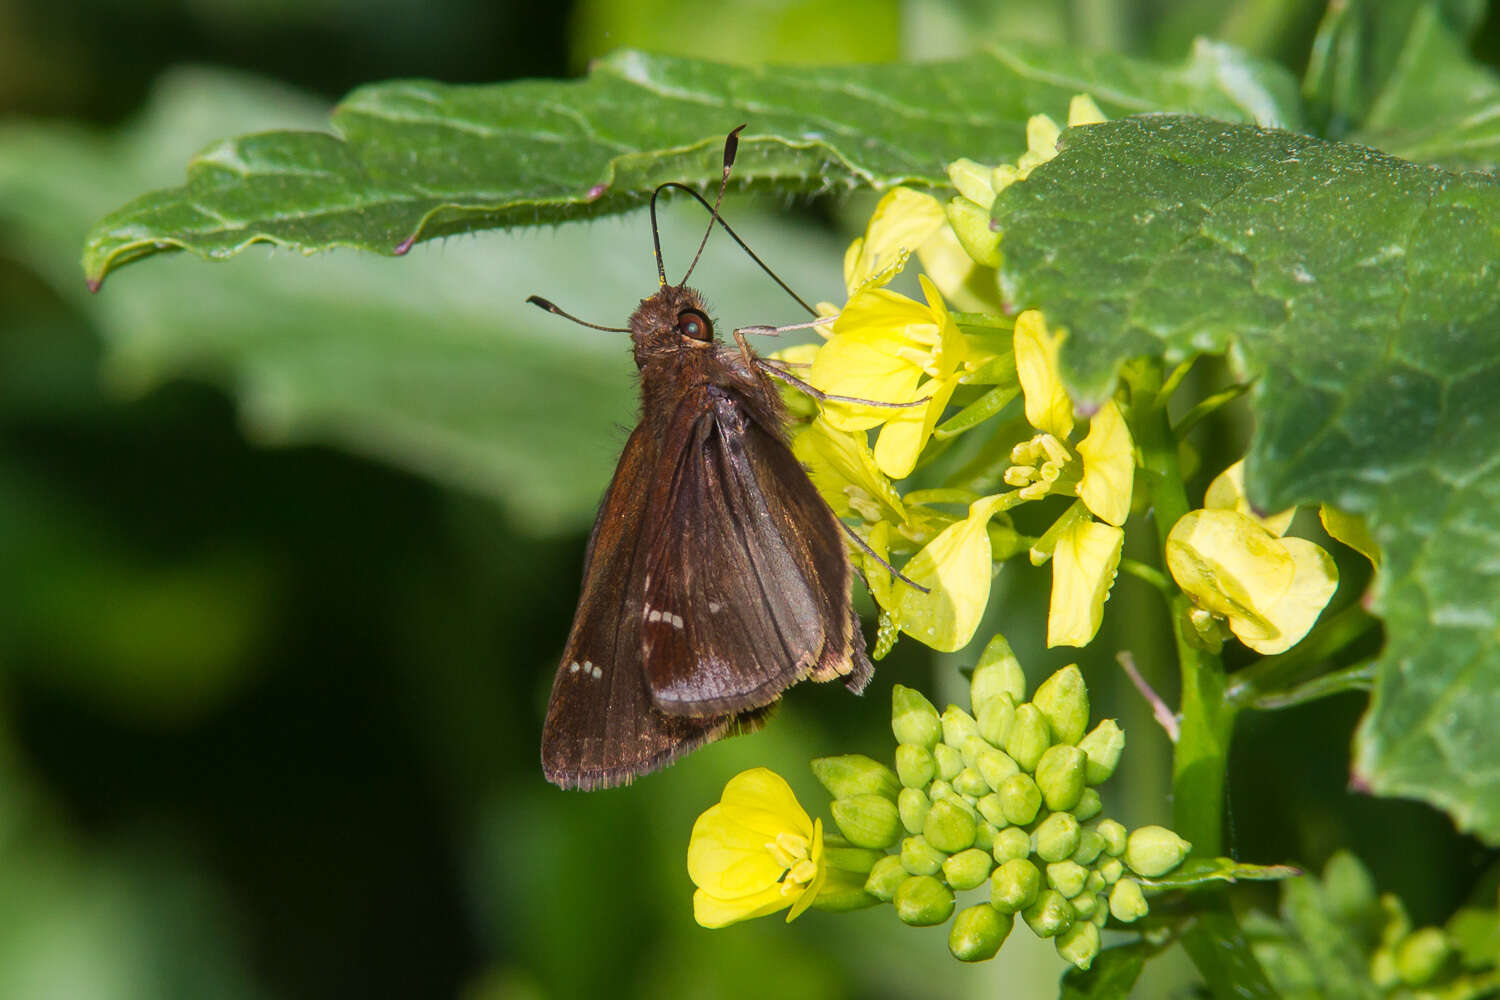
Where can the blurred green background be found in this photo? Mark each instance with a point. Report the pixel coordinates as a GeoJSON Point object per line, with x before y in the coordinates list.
{"type": "Point", "coordinates": [276, 635]}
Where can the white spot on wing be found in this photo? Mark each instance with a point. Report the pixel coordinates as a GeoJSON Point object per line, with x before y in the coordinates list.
{"type": "Point", "coordinates": [598, 673]}
{"type": "Point", "coordinates": [573, 667]}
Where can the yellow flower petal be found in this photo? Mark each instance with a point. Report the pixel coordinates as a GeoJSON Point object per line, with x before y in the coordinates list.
{"type": "Point", "coordinates": [1230, 565]}
{"type": "Point", "coordinates": [1315, 579]}
{"type": "Point", "coordinates": [710, 911]}
{"type": "Point", "coordinates": [1048, 407]}
{"type": "Point", "coordinates": [906, 433]}
{"type": "Point", "coordinates": [1227, 492]}
{"type": "Point", "coordinates": [949, 264]}
{"type": "Point", "coordinates": [1352, 530]}
{"type": "Point", "coordinates": [902, 221]}
{"type": "Point", "coordinates": [843, 469]}
{"type": "Point", "coordinates": [1083, 570]}
{"type": "Point", "coordinates": [870, 356]}
{"type": "Point", "coordinates": [956, 567]}
{"type": "Point", "coordinates": [1108, 455]}
{"type": "Point", "coordinates": [1083, 111]}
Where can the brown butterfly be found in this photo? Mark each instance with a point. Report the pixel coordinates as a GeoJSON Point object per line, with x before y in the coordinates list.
{"type": "Point", "coordinates": [716, 576]}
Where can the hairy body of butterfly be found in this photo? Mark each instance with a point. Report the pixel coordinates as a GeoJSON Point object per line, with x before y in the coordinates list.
{"type": "Point", "coordinates": [716, 576]}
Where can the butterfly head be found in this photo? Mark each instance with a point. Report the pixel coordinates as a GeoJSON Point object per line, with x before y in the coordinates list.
{"type": "Point", "coordinates": [673, 320]}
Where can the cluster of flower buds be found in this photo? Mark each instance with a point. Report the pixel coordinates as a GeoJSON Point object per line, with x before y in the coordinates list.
{"type": "Point", "coordinates": [1006, 797]}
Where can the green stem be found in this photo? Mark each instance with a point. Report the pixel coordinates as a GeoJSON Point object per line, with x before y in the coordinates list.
{"type": "Point", "coordinates": [1201, 758]}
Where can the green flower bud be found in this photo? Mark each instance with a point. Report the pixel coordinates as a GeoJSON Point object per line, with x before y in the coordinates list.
{"type": "Point", "coordinates": [854, 860]}
{"type": "Point", "coordinates": [995, 718]}
{"type": "Point", "coordinates": [998, 672]}
{"type": "Point", "coordinates": [949, 826]}
{"type": "Point", "coordinates": [1015, 885]}
{"type": "Point", "coordinates": [1383, 969]}
{"type": "Point", "coordinates": [1114, 837]}
{"type": "Point", "coordinates": [915, 767]}
{"type": "Point", "coordinates": [1020, 799]}
{"type": "Point", "coordinates": [1049, 915]}
{"type": "Point", "coordinates": [1079, 944]}
{"type": "Point", "coordinates": [1086, 904]}
{"type": "Point", "coordinates": [984, 835]}
{"type": "Point", "coordinates": [958, 726]}
{"type": "Point", "coordinates": [949, 761]}
{"type": "Point", "coordinates": [913, 718]}
{"type": "Point", "coordinates": [1154, 850]}
{"type": "Point", "coordinates": [1127, 903]}
{"type": "Point", "coordinates": [996, 765]}
{"type": "Point", "coordinates": [971, 224]}
{"type": "Point", "coordinates": [973, 182]}
{"type": "Point", "coordinates": [1056, 837]}
{"type": "Point", "coordinates": [1011, 844]}
{"type": "Point", "coordinates": [867, 820]}
{"type": "Point", "coordinates": [1095, 882]}
{"type": "Point", "coordinates": [913, 804]}
{"type": "Point", "coordinates": [1111, 871]}
{"type": "Point", "coordinates": [855, 774]}
{"type": "Point", "coordinates": [970, 782]}
{"type": "Point", "coordinates": [843, 893]}
{"type": "Point", "coordinates": [1064, 699]}
{"type": "Point", "coordinates": [1090, 846]}
{"type": "Point", "coordinates": [940, 789]}
{"type": "Point", "coordinates": [1103, 747]}
{"type": "Point", "coordinates": [1100, 916]}
{"type": "Point", "coordinates": [1420, 957]}
{"type": "Point", "coordinates": [1067, 877]}
{"type": "Point", "coordinates": [968, 869]}
{"type": "Point", "coordinates": [990, 808]}
{"type": "Point", "coordinates": [978, 932]}
{"type": "Point", "coordinates": [919, 857]}
{"type": "Point", "coordinates": [923, 901]}
{"type": "Point", "coordinates": [1089, 806]}
{"type": "Point", "coordinates": [886, 877]}
{"type": "Point", "coordinates": [1029, 737]}
{"type": "Point", "coordinates": [973, 748]}
{"type": "Point", "coordinates": [1059, 774]}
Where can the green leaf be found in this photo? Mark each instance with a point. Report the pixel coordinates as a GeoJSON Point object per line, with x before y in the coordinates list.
{"type": "Point", "coordinates": [1110, 977]}
{"type": "Point", "coordinates": [414, 160]}
{"type": "Point", "coordinates": [1368, 53]}
{"type": "Point", "coordinates": [1223, 955]}
{"type": "Point", "coordinates": [1196, 872]}
{"type": "Point", "coordinates": [432, 362]}
{"type": "Point", "coordinates": [1360, 291]}
{"type": "Point", "coordinates": [1431, 100]}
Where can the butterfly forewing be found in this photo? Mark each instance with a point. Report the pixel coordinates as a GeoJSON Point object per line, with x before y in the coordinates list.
{"type": "Point", "coordinates": [736, 600]}
{"type": "Point", "coordinates": [601, 727]}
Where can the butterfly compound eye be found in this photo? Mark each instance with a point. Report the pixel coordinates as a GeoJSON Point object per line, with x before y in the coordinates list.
{"type": "Point", "coordinates": [694, 325]}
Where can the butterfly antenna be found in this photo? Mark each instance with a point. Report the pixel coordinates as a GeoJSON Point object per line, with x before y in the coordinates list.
{"type": "Point", "coordinates": [542, 303]}
{"type": "Point", "coordinates": [731, 147]}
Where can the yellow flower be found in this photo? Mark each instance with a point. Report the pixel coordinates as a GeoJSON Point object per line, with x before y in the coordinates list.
{"type": "Point", "coordinates": [889, 348]}
{"type": "Point", "coordinates": [955, 567]}
{"type": "Point", "coordinates": [1099, 471]}
{"type": "Point", "coordinates": [755, 852]}
{"type": "Point", "coordinates": [1268, 590]}
{"type": "Point", "coordinates": [902, 222]}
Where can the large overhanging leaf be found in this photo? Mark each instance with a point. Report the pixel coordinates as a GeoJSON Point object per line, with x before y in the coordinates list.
{"type": "Point", "coordinates": [410, 161]}
{"type": "Point", "coordinates": [1363, 292]}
